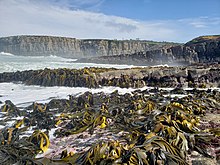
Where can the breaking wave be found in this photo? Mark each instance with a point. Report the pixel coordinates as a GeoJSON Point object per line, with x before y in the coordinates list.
{"type": "Point", "coordinates": [6, 54]}
{"type": "Point", "coordinates": [12, 63]}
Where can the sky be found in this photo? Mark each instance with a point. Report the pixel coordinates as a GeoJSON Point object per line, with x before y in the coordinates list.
{"type": "Point", "coordinates": [159, 20]}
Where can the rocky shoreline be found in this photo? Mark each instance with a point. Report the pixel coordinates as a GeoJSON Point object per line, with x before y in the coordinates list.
{"type": "Point", "coordinates": [200, 75]}
{"type": "Point", "coordinates": [146, 126]}
{"type": "Point", "coordinates": [204, 49]}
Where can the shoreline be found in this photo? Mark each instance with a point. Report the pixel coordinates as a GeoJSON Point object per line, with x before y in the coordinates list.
{"type": "Point", "coordinates": [173, 116]}
{"type": "Point", "coordinates": [201, 76]}
{"type": "Point", "coordinates": [60, 115]}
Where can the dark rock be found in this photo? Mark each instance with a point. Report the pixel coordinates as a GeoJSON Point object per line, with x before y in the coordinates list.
{"type": "Point", "coordinates": [204, 161]}
{"type": "Point", "coordinates": [10, 108]}
{"type": "Point", "coordinates": [178, 91]}
{"type": "Point", "coordinates": [191, 76]}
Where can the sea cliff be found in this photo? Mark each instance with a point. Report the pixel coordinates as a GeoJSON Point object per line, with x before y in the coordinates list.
{"type": "Point", "coordinates": [204, 49]}
{"type": "Point", "coordinates": [74, 48]}
{"type": "Point", "coordinates": [137, 52]}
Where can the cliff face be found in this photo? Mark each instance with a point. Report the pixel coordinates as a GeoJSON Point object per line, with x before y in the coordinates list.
{"type": "Point", "coordinates": [34, 45]}
{"type": "Point", "coordinates": [71, 47]}
{"type": "Point", "coordinates": [199, 50]}
{"type": "Point", "coordinates": [207, 48]}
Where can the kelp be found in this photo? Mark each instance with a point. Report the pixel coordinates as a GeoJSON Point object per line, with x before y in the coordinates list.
{"type": "Point", "coordinates": [20, 150]}
{"type": "Point", "coordinates": [10, 109]}
{"type": "Point", "coordinates": [157, 129]}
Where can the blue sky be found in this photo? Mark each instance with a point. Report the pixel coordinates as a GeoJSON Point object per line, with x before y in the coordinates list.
{"type": "Point", "coordinates": [161, 20]}
{"type": "Point", "coordinates": [158, 9]}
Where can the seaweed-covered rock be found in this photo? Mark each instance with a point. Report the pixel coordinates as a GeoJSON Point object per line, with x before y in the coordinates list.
{"type": "Point", "coordinates": [134, 128]}
{"type": "Point", "coordinates": [40, 116]}
{"type": "Point", "coordinates": [10, 108]}
{"type": "Point", "coordinates": [192, 76]}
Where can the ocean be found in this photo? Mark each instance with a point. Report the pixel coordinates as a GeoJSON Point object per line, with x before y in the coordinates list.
{"type": "Point", "coordinates": [22, 95]}
{"type": "Point", "coordinates": [12, 63]}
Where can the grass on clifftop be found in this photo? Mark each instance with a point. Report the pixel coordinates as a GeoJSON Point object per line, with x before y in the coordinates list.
{"type": "Point", "coordinates": [204, 39]}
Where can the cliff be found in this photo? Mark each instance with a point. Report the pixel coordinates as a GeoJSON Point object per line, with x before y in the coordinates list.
{"type": "Point", "coordinates": [207, 48]}
{"type": "Point", "coordinates": [74, 48]}
{"type": "Point", "coordinates": [203, 49]}
{"type": "Point", "coordinates": [136, 52]}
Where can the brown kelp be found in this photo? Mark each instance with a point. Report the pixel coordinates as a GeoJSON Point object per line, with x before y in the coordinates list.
{"type": "Point", "coordinates": [190, 76]}
{"type": "Point", "coordinates": [142, 127]}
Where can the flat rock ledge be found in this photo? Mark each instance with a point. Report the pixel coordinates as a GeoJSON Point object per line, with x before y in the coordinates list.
{"type": "Point", "coordinates": [201, 76]}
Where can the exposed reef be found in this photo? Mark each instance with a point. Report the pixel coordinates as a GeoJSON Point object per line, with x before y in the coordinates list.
{"type": "Point", "coordinates": [191, 76]}
{"type": "Point", "coordinates": [142, 127]}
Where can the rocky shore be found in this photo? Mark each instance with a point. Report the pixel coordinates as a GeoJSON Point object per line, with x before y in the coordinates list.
{"type": "Point", "coordinates": [201, 75]}
{"type": "Point", "coordinates": [142, 127]}
{"type": "Point", "coordinates": [173, 125]}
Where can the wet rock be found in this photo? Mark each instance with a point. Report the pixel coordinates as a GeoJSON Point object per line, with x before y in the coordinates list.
{"type": "Point", "coordinates": [178, 91]}
{"type": "Point", "coordinates": [193, 76]}
{"type": "Point", "coordinates": [10, 108]}
{"type": "Point", "coordinates": [92, 122]}
{"type": "Point", "coordinates": [204, 161]}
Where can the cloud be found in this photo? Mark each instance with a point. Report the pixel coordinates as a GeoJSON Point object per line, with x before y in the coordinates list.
{"type": "Point", "coordinates": [122, 27]}
{"type": "Point", "coordinates": [201, 22]}
{"type": "Point", "coordinates": [64, 18]}
{"type": "Point", "coordinates": [91, 5]}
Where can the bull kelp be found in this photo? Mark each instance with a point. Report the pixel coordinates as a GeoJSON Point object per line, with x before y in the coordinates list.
{"type": "Point", "coordinates": [142, 127]}
{"type": "Point", "coordinates": [202, 76]}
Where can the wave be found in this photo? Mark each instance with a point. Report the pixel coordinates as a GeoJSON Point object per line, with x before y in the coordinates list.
{"type": "Point", "coordinates": [31, 93]}
{"type": "Point", "coordinates": [51, 57]}
{"type": "Point", "coordinates": [161, 65]}
{"type": "Point", "coordinates": [6, 54]}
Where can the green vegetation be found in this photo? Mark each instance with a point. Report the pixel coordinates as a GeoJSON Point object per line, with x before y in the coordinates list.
{"type": "Point", "coordinates": [204, 39]}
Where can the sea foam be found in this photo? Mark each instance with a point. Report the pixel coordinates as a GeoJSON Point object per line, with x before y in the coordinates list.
{"type": "Point", "coordinates": [6, 54]}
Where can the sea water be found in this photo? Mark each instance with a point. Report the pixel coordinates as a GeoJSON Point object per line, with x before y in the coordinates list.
{"type": "Point", "coordinates": [12, 63]}
{"type": "Point", "coordinates": [23, 95]}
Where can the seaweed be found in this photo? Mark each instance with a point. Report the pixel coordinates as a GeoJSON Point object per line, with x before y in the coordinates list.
{"type": "Point", "coordinates": [145, 128]}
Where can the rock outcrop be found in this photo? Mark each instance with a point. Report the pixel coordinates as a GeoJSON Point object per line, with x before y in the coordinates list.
{"type": "Point", "coordinates": [204, 49]}
{"type": "Point", "coordinates": [178, 55]}
{"type": "Point", "coordinates": [191, 76]}
{"type": "Point", "coordinates": [207, 48]}
{"type": "Point", "coordinates": [74, 48]}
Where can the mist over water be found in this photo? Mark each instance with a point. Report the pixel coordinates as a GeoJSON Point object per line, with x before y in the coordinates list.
{"type": "Point", "coordinates": [12, 63]}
